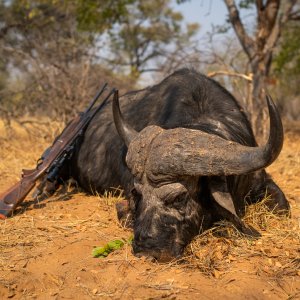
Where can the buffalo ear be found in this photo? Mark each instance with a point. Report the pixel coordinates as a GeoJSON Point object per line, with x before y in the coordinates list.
{"type": "Point", "coordinates": [125, 131]}
{"type": "Point", "coordinates": [221, 195]}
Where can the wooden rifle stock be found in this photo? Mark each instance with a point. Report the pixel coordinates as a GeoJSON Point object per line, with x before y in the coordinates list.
{"type": "Point", "coordinates": [10, 199]}
{"type": "Point", "coordinates": [15, 195]}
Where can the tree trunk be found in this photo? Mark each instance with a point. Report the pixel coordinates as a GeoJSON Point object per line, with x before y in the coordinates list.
{"type": "Point", "coordinates": [259, 48]}
{"type": "Point", "coordinates": [258, 111]}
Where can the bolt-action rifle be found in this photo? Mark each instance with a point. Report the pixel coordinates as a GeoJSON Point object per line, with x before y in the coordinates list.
{"type": "Point", "coordinates": [53, 158]}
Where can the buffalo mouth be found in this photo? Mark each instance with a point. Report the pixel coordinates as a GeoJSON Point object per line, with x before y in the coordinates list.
{"type": "Point", "coordinates": [160, 255]}
{"type": "Point", "coordinates": [147, 247]}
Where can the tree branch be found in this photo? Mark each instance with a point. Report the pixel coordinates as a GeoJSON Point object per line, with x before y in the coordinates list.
{"type": "Point", "coordinates": [245, 40]}
{"type": "Point", "coordinates": [295, 16]}
{"type": "Point", "coordinates": [231, 74]}
{"type": "Point", "coordinates": [151, 70]}
{"type": "Point", "coordinates": [276, 32]}
{"type": "Point", "coordinates": [267, 16]}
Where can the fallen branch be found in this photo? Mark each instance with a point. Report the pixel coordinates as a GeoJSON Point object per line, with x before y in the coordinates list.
{"type": "Point", "coordinates": [232, 74]}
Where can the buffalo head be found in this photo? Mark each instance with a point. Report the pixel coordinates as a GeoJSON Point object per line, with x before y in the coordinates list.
{"type": "Point", "coordinates": [168, 165]}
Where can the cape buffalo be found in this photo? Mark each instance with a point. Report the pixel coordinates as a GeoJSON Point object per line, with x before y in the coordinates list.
{"type": "Point", "coordinates": [185, 155]}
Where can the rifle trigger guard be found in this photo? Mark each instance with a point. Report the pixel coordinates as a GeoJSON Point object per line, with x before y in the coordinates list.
{"type": "Point", "coordinates": [26, 172]}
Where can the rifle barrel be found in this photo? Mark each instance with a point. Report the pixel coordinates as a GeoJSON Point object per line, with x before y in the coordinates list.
{"type": "Point", "coordinates": [99, 93]}
{"type": "Point", "coordinates": [104, 102]}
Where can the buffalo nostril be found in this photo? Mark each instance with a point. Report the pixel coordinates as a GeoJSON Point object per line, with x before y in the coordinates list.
{"type": "Point", "coordinates": [147, 257]}
{"type": "Point", "coordinates": [138, 254]}
{"type": "Point", "coordinates": [143, 236]}
{"type": "Point", "coordinates": [152, 256]}
{"type": "Point", "coordinates": [166, 257]}
{"type": "Point", "coordinates": [135, 247]}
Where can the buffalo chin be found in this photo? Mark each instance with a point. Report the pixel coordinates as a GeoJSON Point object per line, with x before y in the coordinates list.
{"type": "Point", "coordinates": [160, 255]}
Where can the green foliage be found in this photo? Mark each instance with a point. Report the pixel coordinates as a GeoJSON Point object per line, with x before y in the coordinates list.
{"type": "Point", "coordinates": [246, 3]}
{"type": "Point", "coordinates": [146, 33]}
{"type": "Point", "coordinates": [107, 249]}
{"type": "Point", "coordinates": [288, 58]}
{"type": "Point", "coordinates": [139, 30]}
{"type": "Point", "coordinates": [3, 73]}
{"type": "Point", "coordinates": [222, 29]}
{"type": "Point", "coordinates": [97, 16]}
{"type": "Point", "coordinates": [286, 64]}
{"type": "Point", "coordinates": [52, 47]}
{"type": "Point", "coordinates": [37, 13]}
{"type": "Point", "coordinates": [88, 15]}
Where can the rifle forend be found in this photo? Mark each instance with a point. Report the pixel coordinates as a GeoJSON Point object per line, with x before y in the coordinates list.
{"type": "Point", "coordinates": [17, 192]}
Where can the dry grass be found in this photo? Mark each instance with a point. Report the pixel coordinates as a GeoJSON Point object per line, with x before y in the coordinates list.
{"type": "Point", "coordinates": [55, 224]}
{"type": "Point", "coordinates": [214, 251]}
{"type": "Point", "coordinates": [22, 144]}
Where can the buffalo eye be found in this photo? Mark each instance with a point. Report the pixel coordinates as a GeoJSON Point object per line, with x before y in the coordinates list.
{"type": "Point", "coordinates": [179, 201]}
{"type": "Point", "coordinates": [136, 198]}
{"type": "Point", "coordinates": [135, 193]}
{"type": "Point", "coordinates": [173, 194]}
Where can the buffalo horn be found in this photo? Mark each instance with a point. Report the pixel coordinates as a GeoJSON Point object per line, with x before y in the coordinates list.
{"type": "Point", "coordinates": [188, 152]}
{"type": "Point", "coordinates": [126, 132]}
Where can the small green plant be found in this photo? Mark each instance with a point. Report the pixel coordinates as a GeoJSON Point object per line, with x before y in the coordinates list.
{"type": "Point", "coordinates": [110, 247]}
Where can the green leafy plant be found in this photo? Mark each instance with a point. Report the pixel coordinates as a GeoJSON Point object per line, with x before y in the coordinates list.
{"type": "Point", "coordinates": [110, 247]}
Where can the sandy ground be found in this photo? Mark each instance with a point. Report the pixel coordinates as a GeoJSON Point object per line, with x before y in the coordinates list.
{"type": "Point", "coordinates": [45, 249]}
